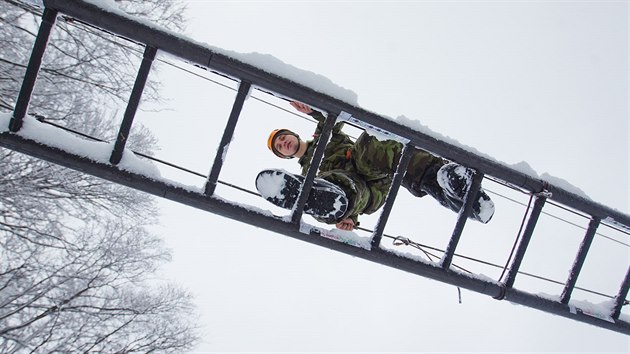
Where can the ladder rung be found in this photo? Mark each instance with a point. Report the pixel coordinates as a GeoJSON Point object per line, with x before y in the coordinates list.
{"type": "Point", "coordinates": [318, 155]}
{"type": "Point", "coordinates": [527, 235]}
{"type": "Point", "coordinates": [34, 63]}
{"type": "Point", "coordinates": [132, 105]}
{"type": "Point", "coordinates": [237, 106]}
{"type": "Point", "coordinates": [405, 158]}
{"type": "Point", "coordinates": [579, 260]}
{"type": "Point", "coordinates": [464, 213]}
{"type": "Point", "coordinates": [620, 299]}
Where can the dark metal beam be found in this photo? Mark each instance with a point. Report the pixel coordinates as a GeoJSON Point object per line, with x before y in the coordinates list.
{"type": "Point", "coordinates": [205, 56]}
{"type": "Point", "coordinates": [228, 133]}
{"type": "Point", "coordinates": [579, 261]}
{"type": "Point", "coordinates": [235, 211]}
{"type": "Point", "coordinates": [405, 158]}
{"type": "Point", "coordinates": [132, 105]}
{"type": "Point", "coordinates": [620, 299]}
{"type": "Point", "coordinates": [565, 310]}
{"type": "Point", "coordinates": [462, 217]}
{"type": "Point", "coordinates": [318, 155]}
{"type": "Point", "coordinates": [261, 219]}
{"type": "Point", "coordinates": [34, 63]}
{"type": "Point", "coordinates": [524, 242]}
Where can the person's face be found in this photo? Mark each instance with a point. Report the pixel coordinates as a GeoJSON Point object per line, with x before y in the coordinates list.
{"type": "Point", "coordinates": [287, 145]}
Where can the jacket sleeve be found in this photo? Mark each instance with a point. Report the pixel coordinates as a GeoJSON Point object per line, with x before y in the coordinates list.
{"type": "Point", "coordinates": [320, 123]}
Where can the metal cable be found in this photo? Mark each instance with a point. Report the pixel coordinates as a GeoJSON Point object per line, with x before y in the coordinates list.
{"type": "Point", "coordinates": [396, 240]}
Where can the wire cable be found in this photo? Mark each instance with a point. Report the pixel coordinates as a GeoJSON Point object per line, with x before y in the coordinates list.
{"type": "Point", "coordinates": [396, 240]}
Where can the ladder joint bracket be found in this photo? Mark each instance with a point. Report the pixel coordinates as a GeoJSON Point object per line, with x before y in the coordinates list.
{"type": "Point", "coordinates": [502, 292]}
{"type": "Point", "coordinates": [545, 191]}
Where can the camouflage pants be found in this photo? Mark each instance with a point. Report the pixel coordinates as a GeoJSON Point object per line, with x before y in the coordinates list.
{"type": "Point", "coordinates": [368, 177]}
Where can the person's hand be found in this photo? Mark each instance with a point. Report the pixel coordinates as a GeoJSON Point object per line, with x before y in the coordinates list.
{"type": "Point", "coordinates": [301, 107]}
{"type": "Point", "coordinates": [345, 224]}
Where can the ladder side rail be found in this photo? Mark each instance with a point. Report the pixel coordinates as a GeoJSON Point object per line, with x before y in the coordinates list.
{"type": "Point", "coordinates": [262, 219]}
{"type": "Point", "coordinates": [538, 302]}
{"type": "Point", "coordinates": [462, 217]}
{"type": "Point", "coordinates": [579, 260]}
{"type": "Point", "coordinates": [403, 163]}
{"type": "Point", "coordinates": [197, 53]}
{"type": "Point", "coordinates": [132, 105]}
{"type": "Point", "coordinates": [524, 242]}
{"type": "Point", "coordinates": [316, 160]}
{"type": "Point", "coordinates": [236, 211]}
{"type": "Point", "coordinates": [480, 163]}
{"type": "Point", "coordinates": [620, 299]}
{"type": "Point", "coordinates": [205, 56]}
{"type": "Point", "coordinates": [32, 70]}
{"type": "Point", "coordinates": [211, 182]}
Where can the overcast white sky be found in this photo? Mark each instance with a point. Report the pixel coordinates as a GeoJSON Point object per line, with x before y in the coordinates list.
{"type": "Point", "coordinates": [541, 82]}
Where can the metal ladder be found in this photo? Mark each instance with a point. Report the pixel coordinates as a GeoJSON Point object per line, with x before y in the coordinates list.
{"type": "Point", "coordinates": [249, 76]}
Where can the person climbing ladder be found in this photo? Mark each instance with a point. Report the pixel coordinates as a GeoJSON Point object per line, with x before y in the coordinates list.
{"type": "Point", "coordinates": [360, 173]}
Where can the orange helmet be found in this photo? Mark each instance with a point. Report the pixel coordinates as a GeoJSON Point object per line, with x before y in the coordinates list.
{"type": "Point", "coordinates": [272, 138]}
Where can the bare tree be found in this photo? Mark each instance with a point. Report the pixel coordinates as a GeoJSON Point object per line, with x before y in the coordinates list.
{"type": "Point", "coordinates": [75, 255]}
{"type": "Point", "coordinates": [91, 295]}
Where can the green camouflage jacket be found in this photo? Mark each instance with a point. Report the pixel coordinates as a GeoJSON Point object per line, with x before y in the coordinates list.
{"type": "Point", "coordinates": [363, 169]}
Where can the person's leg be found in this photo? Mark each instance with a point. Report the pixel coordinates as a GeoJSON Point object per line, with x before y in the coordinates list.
{"type": "Point", "coordinates": [448, 183]}
{"type": "Point", "coordinates": [422, 170]}
{"type": "Point", "coordinates": [355, 188]}
{"type": "Point", "coordinates": [428, 184]}
{"type": "Point", "coordinates": [455, 180]}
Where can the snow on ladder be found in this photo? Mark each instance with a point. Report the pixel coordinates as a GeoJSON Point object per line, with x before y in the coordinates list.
{"type": "Point", "coordinates": [249, 76]}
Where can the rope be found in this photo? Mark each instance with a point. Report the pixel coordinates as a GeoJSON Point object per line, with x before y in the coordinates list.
{"type": "Point", "coordinates": [403, 241]}
{"type": "Point", "coordinates": [400, 240]}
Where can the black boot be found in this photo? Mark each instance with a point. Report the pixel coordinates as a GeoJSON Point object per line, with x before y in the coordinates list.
{"type": "Point", "coordinates": [455, 179]}
{"type": "Point", "coordinates": [433, 189]}
{"type": "Point", "coordinates": [450, 186]}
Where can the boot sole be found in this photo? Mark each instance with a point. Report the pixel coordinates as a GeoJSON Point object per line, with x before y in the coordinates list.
{"type": "Point", "coordinates": [325, 201]}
